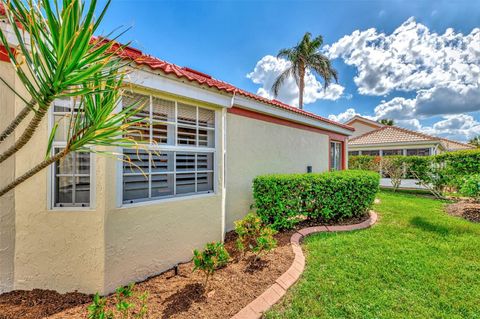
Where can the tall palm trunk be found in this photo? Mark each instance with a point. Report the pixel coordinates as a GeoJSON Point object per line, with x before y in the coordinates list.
{"type": "Point", "coordinates": [301, 86]}
{"type": "Point", "coordinates": [34, 171]}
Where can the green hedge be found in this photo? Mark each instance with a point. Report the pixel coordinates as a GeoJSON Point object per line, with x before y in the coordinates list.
{"type": "Point", "coordinates": [447, 169]}
{"type": "Point", "coordinates": [281, 200]}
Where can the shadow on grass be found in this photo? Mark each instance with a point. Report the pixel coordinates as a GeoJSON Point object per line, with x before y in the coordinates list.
{"type": "Point", "coordinates": [442, 230]}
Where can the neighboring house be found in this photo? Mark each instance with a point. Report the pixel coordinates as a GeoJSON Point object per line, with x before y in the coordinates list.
{"type": "Point", "coordinates": [372, 138]}
{"type": "Point", "coordinates": [92, 223]}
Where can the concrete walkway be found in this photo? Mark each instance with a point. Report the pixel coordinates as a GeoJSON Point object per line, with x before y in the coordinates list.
{"type": "Point", "coordinates": [406, 183]}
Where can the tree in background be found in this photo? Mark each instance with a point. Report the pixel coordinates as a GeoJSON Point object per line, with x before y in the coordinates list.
{"type": "Point", "coordinates": [58, 57]}
{"type": "Point", "coordinates": [388, 122]}
{"type": "Point", "coordinates": [305, 56]}
{"type": "Point", "coordinates": [475, 141]}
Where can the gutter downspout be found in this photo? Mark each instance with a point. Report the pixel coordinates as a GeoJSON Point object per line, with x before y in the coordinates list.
{"type": "Point", "coordinates": [224, 144]}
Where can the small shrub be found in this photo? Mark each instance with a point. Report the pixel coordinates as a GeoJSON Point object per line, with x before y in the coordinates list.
{"type": "Point", "coordinates": [254, 236]}
{"type": "Point", "coordinates": [282, 200]}
{"type": "Point", "coordinates": [214, 256]}
{"type": "Point", "coordinates": [128, 305]}
{"type": "Point", "coordinates": [364, 163]}
{"type": "Point", "coordinates": [394, 167]}
{"type": "Point", "coordinates": [98, 308]}
{"type": "Point", "coordinates": [471, 187]}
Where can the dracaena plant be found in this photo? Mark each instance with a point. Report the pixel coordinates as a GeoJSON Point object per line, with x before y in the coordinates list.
{"type": "Point", "coordinates": [54, 55]}
{"type": "Point", "coordinates": [62, 59]}
{"type": "Point", "coordinates": [93, 124]}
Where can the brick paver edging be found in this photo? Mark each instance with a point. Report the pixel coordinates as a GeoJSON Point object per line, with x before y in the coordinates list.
{"type": "Point", "coordinates": [272, 295]}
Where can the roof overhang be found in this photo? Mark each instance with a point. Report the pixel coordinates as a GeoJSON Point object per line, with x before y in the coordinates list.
{"type": "Point", "coordinates": [159, 82]}
{"type": "Point", "coordinates": [253, 105]}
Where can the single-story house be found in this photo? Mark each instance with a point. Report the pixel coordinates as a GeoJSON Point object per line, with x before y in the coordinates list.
{"type": "Point", "coordinates": [92, 223]}
{"type": "Point", "coordinates": [373, 138]}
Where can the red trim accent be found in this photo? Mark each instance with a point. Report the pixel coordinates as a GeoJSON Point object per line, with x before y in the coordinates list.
{"type": "Point", "coordinates": [4, 54]}
{"type": "Point", "coordinates": [268, 118]}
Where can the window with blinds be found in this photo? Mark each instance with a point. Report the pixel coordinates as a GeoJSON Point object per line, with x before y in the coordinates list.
{"type": "Point", "coordinates": [179, 160]}
{"type": "Point", "coordinates": [71, 177]}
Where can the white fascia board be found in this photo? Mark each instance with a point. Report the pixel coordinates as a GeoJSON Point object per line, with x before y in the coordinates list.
{"type": "Point", "coordinates": [151, 80]}
{"type": "Point", "coordinates": [249, 104]}
{"type": "Point", "coordinates": [397, 144]}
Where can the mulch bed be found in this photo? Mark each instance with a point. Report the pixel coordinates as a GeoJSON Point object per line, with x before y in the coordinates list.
{"type": "Point", "coordinates": [468, 210]}
{"type": "Point", "coordinates": [37, 303]}
{"type": "Point", "coordinates": [180, 296]}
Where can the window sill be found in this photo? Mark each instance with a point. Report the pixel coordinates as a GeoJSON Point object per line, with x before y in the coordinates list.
{"type": "Point", "coordinates": [72, 209]}
{"type": "Point", "coordinates": [166, 200]}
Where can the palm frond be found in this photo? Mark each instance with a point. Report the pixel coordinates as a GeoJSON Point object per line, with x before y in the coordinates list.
{"type": "Point", "coordinates": [96, 120]}
{"type": "Point", "coordinates": [280, 80]}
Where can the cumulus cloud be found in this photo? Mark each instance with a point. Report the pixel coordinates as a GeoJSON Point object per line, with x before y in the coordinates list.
{"type": "Point", "coordinates": [458, 126]}
{"type": "Point", "coordinates": [269, 68]}
{"type": "Point", "coordinates": [347, 115]}
{"type": "Point", "coordinates": [411, 58]}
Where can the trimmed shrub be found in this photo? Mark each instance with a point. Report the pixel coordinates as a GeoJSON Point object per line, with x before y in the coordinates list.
{"type": "Point", "coordinates": [437, 173]}
{"type": "Point", "coordinates": [254, 236]}
{"type": "Point", "coordinates": [283, 200]}
{"type": "Point", "coordinates": [471, 187]}
{"type": "Point", "coordinates": [213, 257]}
{"type": "Point", "coordinates": [364, 162]}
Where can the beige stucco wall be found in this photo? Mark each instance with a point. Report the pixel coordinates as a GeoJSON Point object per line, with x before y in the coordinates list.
{"type": "Point", "coordinates": [107, 245]}
{"type": "Point", "coordinates": [257, 147]}
{"type": "Point", "coordinates": [56, 249]}
{"type": "Point", "coordinates": [361, 128]}
{"type": "Point", "coordinates": [7, 169]}
{"type": "Point", "coordinates": [145, 239]}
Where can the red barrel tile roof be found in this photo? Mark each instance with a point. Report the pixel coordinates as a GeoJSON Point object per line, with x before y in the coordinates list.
{"type": "Point", "coordinates": [154, 63]}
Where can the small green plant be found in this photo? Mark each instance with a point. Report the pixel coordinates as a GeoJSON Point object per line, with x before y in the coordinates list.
{"type": "Point", "coordinates": [126, 306]}
{"type": "Point", "coordinates": [98, 308]}
{"type": "Point", "coordinates": [213, 257]}
{"type": "Point", "coordinates": [254, 236]}
{"type": "Point", "coordinates": [123, 296]}
{"type": "Point", "coordinates": [471, 187]}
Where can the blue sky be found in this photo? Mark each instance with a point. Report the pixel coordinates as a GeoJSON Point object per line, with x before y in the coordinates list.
{"type": "Point", "coordinates": [228, 39]}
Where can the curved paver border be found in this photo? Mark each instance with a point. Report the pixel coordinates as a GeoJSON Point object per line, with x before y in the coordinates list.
{"type": "Point", "coordinates": [274, 293]}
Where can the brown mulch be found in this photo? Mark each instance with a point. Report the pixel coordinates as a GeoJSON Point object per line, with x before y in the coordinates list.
{"type": "Point", "coordinates": [177, 296]}
{"type": "Point", "coordinates": [170, 296]}
{"type": "Point", "coordinates": [468, 210]}
{"type": "Point", "coordinates": [38, 303]}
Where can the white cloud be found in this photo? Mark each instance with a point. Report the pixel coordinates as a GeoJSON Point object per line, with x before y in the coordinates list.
{"type": "Point", "coordinates": [269, 68]}
{"type": "Point", "coordinates": [459, 127]}
{"type": "Point", "coordinates": [450, 99]}
{"type": "Point", "coordinates": [344, 116]}
{"type": "Point", "coordinates": [411, 58]}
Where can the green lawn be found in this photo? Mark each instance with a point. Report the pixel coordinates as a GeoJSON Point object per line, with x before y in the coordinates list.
{"type": "Point", "coordinates": [416, 262]}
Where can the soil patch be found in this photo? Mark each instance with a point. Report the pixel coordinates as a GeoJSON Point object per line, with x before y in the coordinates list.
{"type": "Point", "coordinates": [338, 222]}
{"type": "Point", "coordinates": [38, 303]}
{"type": "Point", "coordinates": [468, 210]}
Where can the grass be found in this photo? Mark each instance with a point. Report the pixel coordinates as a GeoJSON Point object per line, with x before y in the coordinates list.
{"type": "Point", "coordinates": [417, 262]}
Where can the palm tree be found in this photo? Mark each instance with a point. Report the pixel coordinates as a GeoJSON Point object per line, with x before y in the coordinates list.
{"type": "Point", "coordinates": [305, 56]}
{"type": "Point", "coordinates": [387, 122]}
{"type": "Point", "coordinates": [475, 141]}
{"type": "Point", "coordinates": [60, 59]}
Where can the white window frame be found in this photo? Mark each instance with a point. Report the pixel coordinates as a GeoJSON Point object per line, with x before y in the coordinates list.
{"type": "Point", "coordinates": [51, 171]}
{"type": "Point", "coordinates": [332, 166]}
{"type": "Point", "coordinates": [176, 148]}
